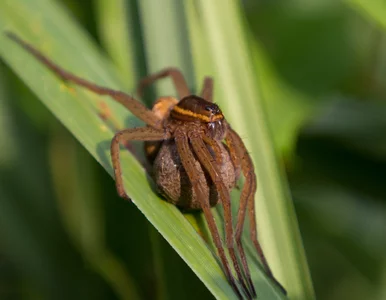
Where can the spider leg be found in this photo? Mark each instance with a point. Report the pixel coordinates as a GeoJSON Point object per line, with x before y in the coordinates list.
{"type": "Point", "coordinates": [137, 108]}
{"type": "Point", "coordinates": [207, 89]}
{"type": "Point", "coordinates": [175, 74]}
{"type": "Point", "coordinates": [216, 148]}
{"type": "Point", "coordinates": [246, 193]}
{"type": "Point", "coordinates": [187, 160]}
{"type": "Point", "coordinates": [210, 165]}
{"type": "Point", "coordinates": [252, 220]}
{"type": "Point", "coordinates": [247, 201]}
{"type": "Point", "coordinates": [123, 136]}
{"type": "Point", "coordinates": [235, 157]}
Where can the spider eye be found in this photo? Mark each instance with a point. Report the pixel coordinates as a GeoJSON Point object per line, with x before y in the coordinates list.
{"type": "Point", "coordinates": [208, 108]}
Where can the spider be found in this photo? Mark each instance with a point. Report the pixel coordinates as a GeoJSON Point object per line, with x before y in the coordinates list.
{"type": "Point", "coordinates": [192, 166]}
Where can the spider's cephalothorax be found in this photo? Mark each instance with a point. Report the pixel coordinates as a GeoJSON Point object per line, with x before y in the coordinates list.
{"type": "Point", "coordinates": [193, 167]}
{"type": "Point", "coordinates": [198, 110]}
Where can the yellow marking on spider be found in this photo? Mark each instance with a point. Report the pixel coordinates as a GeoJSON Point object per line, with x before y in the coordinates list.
{"type": "Point", "coordinates": [202, 117]}
{"type": "Point", "coordinates": [162, 107]}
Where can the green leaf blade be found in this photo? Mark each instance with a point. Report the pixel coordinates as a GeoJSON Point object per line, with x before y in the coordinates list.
{"type": "Point", "coordinates": [48, 27]}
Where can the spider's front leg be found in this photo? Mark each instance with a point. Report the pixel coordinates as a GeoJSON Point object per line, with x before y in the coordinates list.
{"type": "Point", "coordinates": [211, 167]}
{"type": "Point", "coordinates": [241, 157]}
{"type": "Point", "coordinates": [187, 160]}
{"type": "Point", "coordinates": [126, 135]}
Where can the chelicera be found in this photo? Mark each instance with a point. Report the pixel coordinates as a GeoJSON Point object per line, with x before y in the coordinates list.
{"type": "Point", "coordinates": [192, 166]}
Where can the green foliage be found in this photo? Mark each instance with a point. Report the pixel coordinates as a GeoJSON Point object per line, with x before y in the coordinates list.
{"type": "Point", "coordinates": [78, 111]}
{"type": "Point", "coordinates": [307, 64]}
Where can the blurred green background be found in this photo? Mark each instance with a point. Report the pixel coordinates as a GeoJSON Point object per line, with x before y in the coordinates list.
{"type": "Point", "coordinates": [321, 67]}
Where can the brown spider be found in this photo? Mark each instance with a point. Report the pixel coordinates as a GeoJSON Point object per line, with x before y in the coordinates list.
{"type": "Point", "coordinates": [192, 167]}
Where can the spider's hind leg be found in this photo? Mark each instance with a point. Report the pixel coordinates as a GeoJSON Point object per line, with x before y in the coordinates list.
{"type": "Point", "coordinates": [137, 108]}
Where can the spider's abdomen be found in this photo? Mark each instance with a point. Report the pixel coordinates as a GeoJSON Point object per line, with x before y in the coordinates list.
{"type": "Point", "coordinates": [174, 184]}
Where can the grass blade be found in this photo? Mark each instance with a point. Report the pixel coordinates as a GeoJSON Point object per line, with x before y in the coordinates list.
{"type": "Point", "coordinates": [373, 10]}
